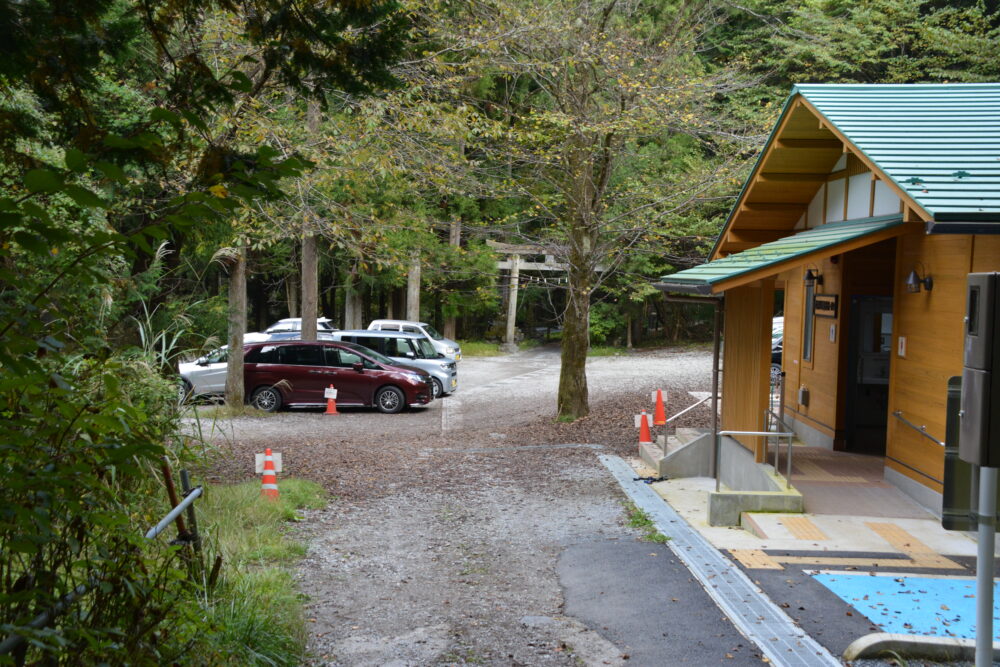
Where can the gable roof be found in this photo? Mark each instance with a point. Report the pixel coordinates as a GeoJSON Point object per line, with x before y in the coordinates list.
{"type": "Point", "coordinates": [770, 258]}
{"type": "Point", "coordinates": [939, 143]}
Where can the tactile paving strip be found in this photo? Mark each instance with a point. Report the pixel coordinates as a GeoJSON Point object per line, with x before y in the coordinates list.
{"type": "Point", "coordinates": [746, 605]}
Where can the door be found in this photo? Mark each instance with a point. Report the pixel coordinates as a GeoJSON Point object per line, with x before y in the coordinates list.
{"type": "Point", "coordinates": [354, 387]}
{"type": "Point", "coordinates": [304, 368]}
{"type": "Point", "coordinates": [869, 349]}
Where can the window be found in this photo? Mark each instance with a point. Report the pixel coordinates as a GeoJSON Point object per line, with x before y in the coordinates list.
{"type": "Point", "coordinates": [301, 355]}
{"type": "Point", "coordinates": [219, 356]}
{"type": "Point", "coordinates": [389, 327]}
{"type": "Point", "coordinates": [398, 347]}
{"type": "Point", "coordinates": [346, 358]}
{"type": "Point", "coordinates": [371, 342]}
{"type": "Point", "coordinates": [264, 355]}
{"type": "Point", "coordinates": [807, 325]}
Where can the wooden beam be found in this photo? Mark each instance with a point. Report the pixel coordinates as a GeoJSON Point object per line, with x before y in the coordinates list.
{"type": "Point", "coordinates": [774, 207]}
{"type": "Point", "coordinates": [810, 144]}
{"type": "Point", "coordinates": [513, 249]}
{"type": "Point", "coordinates": [776, 177]}
{"type": "Point", "coordinates": [755, 235]}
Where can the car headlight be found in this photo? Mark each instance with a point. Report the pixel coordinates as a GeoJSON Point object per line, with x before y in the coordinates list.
{"type": "Point", "coordinates": [413, 377]}
{"type": "Point", "coordinates": [452, 350]}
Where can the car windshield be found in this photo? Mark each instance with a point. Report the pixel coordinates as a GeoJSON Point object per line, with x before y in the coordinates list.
{"type": "Point", "coordinates": [432, 332]}
{"type": "Point", "coordinates": [426, 349]}
{"type": "Point", "coordinates": [372, 354]}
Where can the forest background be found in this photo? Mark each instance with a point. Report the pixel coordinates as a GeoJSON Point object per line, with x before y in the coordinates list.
{"type": "Point", "coordinates": [154, 152]}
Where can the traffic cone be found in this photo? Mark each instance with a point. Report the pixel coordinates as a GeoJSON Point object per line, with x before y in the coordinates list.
{"type": "Point", "coordinates": [660, 413]}
{"type": "Point", "coordinates": [644, 437]}
{"type": "Point", "coordinates": [331, 405]}
{"type": "Point", "coordinates": [269, 483]}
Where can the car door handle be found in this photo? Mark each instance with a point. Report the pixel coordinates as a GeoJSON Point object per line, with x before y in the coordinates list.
{"type": "Point", "coordinates": [322, 372]}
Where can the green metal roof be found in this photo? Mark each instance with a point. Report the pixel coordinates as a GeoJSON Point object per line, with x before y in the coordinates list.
{"type": "Point", "coordinates": [938, 142]}
{"type": "Point", "coordinates": [701, 279]}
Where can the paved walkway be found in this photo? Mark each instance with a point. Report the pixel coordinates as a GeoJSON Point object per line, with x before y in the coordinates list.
{"type": "Point", "coordinates": [863, 558]}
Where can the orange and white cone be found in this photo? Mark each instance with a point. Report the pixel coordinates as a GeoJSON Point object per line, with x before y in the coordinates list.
{"type": "Point", "coordinates": [660, 413]}
{"type": "Point", "coordinates": [269, 482]}
{"type": "Point", "coordinates": [644, 437]}
{"type": "Point", "coordinates": [331, 405]}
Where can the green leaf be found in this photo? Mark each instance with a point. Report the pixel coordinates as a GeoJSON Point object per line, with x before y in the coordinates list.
{"type": "Point", "coordinates": [161, 114]}
{"type": "Point", "coordinates": [240, 82]}
{"type": "Point", "coordinates": [84, 197]}
{"type": "Point", "coordinates": [32, 243]}
{"type": "Point", "coordinates": [112, 171]}
{"type": "Point", "coordinates": [42, 180]}
{"type": "Point", "coordinates": [115, 141]}
{"type": "Point", "coordinates": [76, 159]}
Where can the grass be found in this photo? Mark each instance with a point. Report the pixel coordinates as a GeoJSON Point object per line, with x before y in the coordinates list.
{"type": "Point", "coordinates": [480, 348]}
{"type": "Point", "coordinates": [255, 612]}
{"type": "Point", "coordinates": [224, 411]}
{"type": "Point", "coordinates": [639, 519]}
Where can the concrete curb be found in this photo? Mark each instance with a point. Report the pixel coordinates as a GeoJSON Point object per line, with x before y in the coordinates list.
{"type": "Point", "coordinates": [879, 644]}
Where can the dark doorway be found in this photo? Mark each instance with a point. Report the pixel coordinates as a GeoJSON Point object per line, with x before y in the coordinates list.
{"type": "Point", "coordinates": [869, 348]}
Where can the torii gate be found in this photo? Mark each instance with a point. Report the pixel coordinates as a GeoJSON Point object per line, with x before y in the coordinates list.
{"type": "Point", "coordinates": [514, 264]}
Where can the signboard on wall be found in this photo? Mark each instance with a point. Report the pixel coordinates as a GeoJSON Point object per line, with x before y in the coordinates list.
{"type": "Point", "coordinates": [825, 305]}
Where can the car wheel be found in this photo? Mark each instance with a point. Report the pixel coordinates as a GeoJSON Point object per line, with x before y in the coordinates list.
{"type": "Point", "coordinates": [775, 375]}
{"type": "Point", "coordinates": [267, 399]}
{"type": "Point", "coordinates": [184, 392]}
{"type": "Point", "coordinates": [437, 388]}
{"type": "Point", "coordinates": [389, 400]}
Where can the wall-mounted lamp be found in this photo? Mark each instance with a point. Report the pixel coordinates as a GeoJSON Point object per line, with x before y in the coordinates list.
{"type": "Point", "coordinates": [914, 282]}
{"type": "Point", "coordinates": [812, 278]}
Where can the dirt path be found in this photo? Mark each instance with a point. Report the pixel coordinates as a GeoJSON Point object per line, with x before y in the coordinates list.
{"type": "Point", "coordinates": [443, 541]}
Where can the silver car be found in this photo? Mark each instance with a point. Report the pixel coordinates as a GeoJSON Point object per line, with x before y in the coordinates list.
{"type": "Point", "coordinates": [412, 349]}
{"type": "Point", "coordinates": [445, 346]}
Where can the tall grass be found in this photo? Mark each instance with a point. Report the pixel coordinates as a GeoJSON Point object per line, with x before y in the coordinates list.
{"type": "Point", "coordinates": [255, 613]}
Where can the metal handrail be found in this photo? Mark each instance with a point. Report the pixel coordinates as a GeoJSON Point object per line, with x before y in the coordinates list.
{"type": "Point", "coordinates": [174, 513]}
{"type": "Point", "coordinates": [769, 434]}
{"type": "Point", "coordinates": [922, 430]}
{"type": "Point", "coordinates": [688, 409]}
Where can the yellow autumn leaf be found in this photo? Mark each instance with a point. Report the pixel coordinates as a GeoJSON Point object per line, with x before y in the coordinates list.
{"type": "Point", "coordinates": [219, 191]}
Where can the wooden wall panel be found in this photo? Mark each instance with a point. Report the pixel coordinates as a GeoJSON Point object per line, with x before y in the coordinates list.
{"type": "Point", "coordinates": [931, 323]}
{"type": "Point", "coordinates": [746, 360]}
{"type": "Point", "coordinates": [985, 253]}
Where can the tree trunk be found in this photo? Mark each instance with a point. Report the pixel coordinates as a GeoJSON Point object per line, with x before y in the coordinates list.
{"type": "Point", "coordinates": [292, 295]}
{"type": "Point", "coordinates": [237, 326]}
{"type": "Point", "coordinates": [454, 239]}
{"type": "Point", "coordinates": [413, 288]}
{"type": "Point", "coordinates": [352, 304]}
{"type": "Point", "coordinates": [573, 402]}
{"type": "Point", "coordinates": [310, 287]}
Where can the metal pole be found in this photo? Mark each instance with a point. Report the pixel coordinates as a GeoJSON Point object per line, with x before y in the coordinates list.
{"type": "Point", "coordinates": [781, 397]}
{"type": "Point", "coordinates": [174, 513]}
{"type": "Point", "coordinates": [192, 519]}
{"type": "Point", "coordinates": [788, 465]}
{"type": "Point", "coordinates": [716, 341]}
{"type": "Point", "coordinates": [985, 565]}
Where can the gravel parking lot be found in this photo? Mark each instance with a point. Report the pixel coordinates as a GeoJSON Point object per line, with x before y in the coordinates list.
{"type": "Point", "coordinates": [443, 539]}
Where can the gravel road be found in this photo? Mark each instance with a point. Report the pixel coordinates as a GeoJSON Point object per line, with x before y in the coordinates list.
{"type": "Point", "coordinates": [448, 525]}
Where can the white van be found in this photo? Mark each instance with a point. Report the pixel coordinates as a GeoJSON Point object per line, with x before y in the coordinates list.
{"type": "Point", "coordinates": [411, 349]}
{"type": "Point", "coordinates": [445, 346]}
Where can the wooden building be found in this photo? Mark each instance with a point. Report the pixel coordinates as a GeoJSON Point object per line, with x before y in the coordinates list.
{"type": "Point", "coordinates": [866, 210]}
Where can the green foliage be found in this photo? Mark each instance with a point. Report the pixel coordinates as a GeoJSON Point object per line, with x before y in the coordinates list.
{"type": "Point", "coordinates": [606, 321]}
{"type": "Point", "coordinates": [638, 518]}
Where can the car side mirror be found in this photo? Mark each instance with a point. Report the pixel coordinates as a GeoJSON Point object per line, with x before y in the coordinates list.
{"type": "Point", "coordinates": [411, 355]}
{"type": "Point", "coordinates": [358, 366]}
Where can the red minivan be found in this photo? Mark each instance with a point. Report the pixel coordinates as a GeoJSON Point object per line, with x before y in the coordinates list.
{"type": "Point", "coordinates": [295, 373]}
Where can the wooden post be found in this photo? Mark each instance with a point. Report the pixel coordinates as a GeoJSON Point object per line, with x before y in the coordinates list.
{"type": "Point", "coordinates": [454, 240]}
{"type": "Point", "coordinates": [413, 288]}
{"type": "Point", "coordinates": [237, 327]}
{"type": "Point", "coordinates": [515, 273]}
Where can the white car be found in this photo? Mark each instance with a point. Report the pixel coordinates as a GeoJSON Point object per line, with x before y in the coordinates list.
{"type": "Point", "coordinates": [295, 324]}
{"type": "Point", "coordinates": [206, 375]}
{"type": "Point", "coordinates": [449, 348]}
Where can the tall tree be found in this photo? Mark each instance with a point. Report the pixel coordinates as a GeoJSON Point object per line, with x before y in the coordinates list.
{"type": "Point", "coordinates": [566, 94]}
